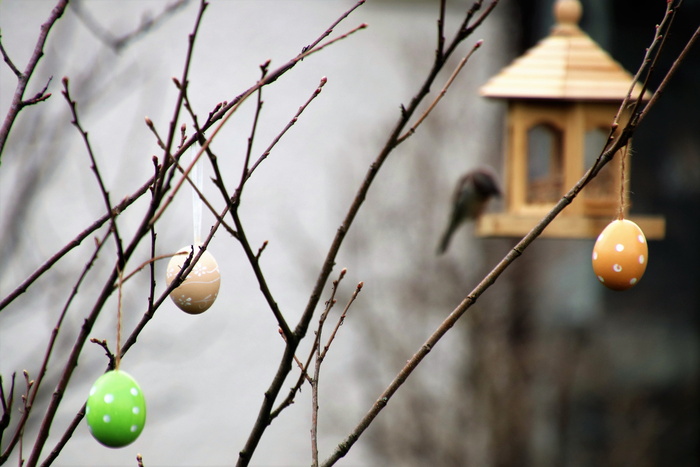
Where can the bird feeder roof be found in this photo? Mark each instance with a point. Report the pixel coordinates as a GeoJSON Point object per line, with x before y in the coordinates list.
{"type": "Point", "coordinates": [566, 65]}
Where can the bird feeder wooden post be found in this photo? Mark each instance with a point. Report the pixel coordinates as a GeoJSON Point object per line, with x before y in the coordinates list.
{"type": "Point", "coordinates": [562, 96]}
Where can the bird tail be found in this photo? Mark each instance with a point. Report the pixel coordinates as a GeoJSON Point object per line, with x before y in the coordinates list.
{"type": "Point", "coordinates": [445, 240]}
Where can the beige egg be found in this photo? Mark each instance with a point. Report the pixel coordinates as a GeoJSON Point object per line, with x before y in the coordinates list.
{"type": "Point", "coordinates": [620, 255]}
{"type": "Point", "coordinates": [201, 286]}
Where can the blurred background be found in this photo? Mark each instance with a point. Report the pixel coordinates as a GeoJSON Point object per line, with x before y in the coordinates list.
{"type": "Point", "coordinates": [548, 368]}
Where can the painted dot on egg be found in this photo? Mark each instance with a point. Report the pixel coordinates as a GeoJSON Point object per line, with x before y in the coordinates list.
{"type": "Point", "coordinates": [115, 409]}
{"type": "Point", "coordinates": [200, 288]}
{"type": "Point", "coordinates": [620, 255]}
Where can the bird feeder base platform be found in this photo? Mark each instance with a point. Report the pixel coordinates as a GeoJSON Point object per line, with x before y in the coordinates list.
{"type": "Point", "coordinates": [563, 226]}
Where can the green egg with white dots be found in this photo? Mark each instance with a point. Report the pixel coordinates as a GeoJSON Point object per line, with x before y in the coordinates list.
{"type": "Point", "coordinates": [116, 409]}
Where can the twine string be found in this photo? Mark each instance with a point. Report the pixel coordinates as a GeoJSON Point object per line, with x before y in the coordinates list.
{"type": "Point", "coordinates": [623, 168]}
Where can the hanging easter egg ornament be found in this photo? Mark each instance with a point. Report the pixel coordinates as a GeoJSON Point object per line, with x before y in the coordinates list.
{"type": "Point", "coordinates": [116, 409]}
{"type": "Point", "coordinates": [201, 286]}
{"type": "Point", "coordinates": [620, 255]}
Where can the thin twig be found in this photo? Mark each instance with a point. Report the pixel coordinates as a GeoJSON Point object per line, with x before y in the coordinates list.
{"type": "Point", "coordinates": [185, 73]}
{"type": "Point", "coordinates": [262, 282]}
{"type": "Point", "coordinates": [674, 67]}
{"type": "Point", "coordinates": [320, 356]}
{"type": "Point", "coordinates": [110, 356]}
{"type": "Point", "coordinates": [93, 165]}
{"type": "Point", "coordinates": [8, 60]}
{"type": "Point", "coordinates": [289, 400]}
{"type": "Point", "coordinates": [23, 78]}
{"type": "Point", "coordinates": [40, 96]}
{"type": "Point", "coordinates": [117, 43]}
{"type": "Point", "coordinates": [277, 138]}
{"type": "Point", "coordinates": [441, 94]}
{"type": "Point", "coordinates": [149, 262]}
{"type": "Point", "coordinates": [253, 129]}
{"type": "Point", "coordinates": [7, 402]}
{"type": "Point", "coordinates": [313, 49]}
{"type": "Point", "coordinates": [440, 50]}
{"type": "Point", "coordinates": [651, 57]}
{"type": "Point", "coordinates": [204, 199]}
{"type": "Point", "coordinates": [260, 250]}
{"type": "Point", "coordinates": [299, 363]}
{"type": "Point", "coordinates": [163, 185]}
{"type": "Point", "coordinates": [341, 319]}
{"type": "Point", "coordinates": [304, 374]}
{"type": "Point", "coordinates": [152, 267]}
{"type": "Point", "coordinates": [218, 179]}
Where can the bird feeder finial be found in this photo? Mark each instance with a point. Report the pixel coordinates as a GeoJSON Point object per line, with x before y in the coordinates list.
{"type": "Point", "coordinates": [567, 14]}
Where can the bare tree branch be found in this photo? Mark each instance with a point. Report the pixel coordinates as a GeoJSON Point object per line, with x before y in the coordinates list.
{"type": "Point", "coordinates": [6, 402]}
{"type": "Point", "coordinates": [117, 43]}
{"type": "Point", "coordinates": [93, 165]}
{"type": "Point", "coordinates": [24, 286]}
{"type": "Point", "coordinates": [23, 78]}
{"type": "Point", "coordinates": [441, 94]}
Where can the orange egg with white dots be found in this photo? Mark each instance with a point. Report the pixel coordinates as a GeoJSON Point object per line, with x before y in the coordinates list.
{"type": "Point", "coordinates": [620, 255]}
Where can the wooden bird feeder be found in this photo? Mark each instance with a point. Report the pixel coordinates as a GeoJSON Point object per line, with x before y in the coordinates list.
{"type": "Point", "coordinates": [562, 97]}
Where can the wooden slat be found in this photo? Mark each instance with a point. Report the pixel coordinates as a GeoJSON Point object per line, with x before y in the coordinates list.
{"type": "Point", "coordinates": [510, 225]}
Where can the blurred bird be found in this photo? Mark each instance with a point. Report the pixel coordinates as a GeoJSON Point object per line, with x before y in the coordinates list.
{"type": "Point", "coordinates": [472, 193]}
